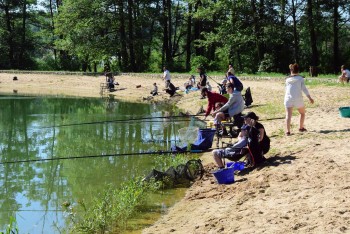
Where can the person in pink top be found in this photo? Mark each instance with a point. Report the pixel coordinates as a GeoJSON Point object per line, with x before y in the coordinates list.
{"type": "Point", "coordinates": [213, 100]}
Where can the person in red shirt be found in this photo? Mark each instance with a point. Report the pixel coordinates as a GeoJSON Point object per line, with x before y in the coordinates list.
{"type": "Point", "coordinates": [213, 100]}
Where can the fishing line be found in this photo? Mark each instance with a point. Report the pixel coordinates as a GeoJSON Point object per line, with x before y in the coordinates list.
{"type": "Point", "coordinates": [120, 120]}
{"type": "Point", "coordinates": [160, 152]}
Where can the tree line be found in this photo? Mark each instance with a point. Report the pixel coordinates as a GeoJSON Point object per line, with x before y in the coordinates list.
{"type": "Point", "coordinates": [143, 35]}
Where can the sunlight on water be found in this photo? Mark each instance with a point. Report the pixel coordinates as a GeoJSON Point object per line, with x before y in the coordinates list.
{"type": "Point", "coordinates": [70, 149]}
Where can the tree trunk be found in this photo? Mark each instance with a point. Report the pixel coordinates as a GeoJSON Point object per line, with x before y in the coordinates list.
{"type": "Point", "coordinates": [188, 38]}
{"type": "Point", "coordinates": [197, 30]}
{"type": "Point", "coordinates": [9, 39]}
{"type": "Point", "coordinates": [166, 50]}
{"type": "Point", "coordinates": [295, 34]}
{"type": "Point", "coordinates": [53, 27]}
{"type": "Point", "coordinates": [170, 31]}
{"type": "Point", "coordinates": [131, 36]}
{"type": "Point", "coordinates": [336, 16]}
{"type": "Point", "coordinates": [314, 51]}
{"type": "Point", "coordinates": [123, 49]}
{"type": "Point", "coordinates": [257, 30]}
{"type": "Point", "coordinates": [23, 39]}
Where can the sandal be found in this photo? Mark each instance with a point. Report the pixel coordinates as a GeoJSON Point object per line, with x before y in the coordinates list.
{"type": "Point", "coordinates": [287, 133]}
{"type": "Point", "coordinates": [302, 130]}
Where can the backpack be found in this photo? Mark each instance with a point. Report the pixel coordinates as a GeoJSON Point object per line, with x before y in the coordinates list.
{"type": "Point", "coordinates": [265, 145]}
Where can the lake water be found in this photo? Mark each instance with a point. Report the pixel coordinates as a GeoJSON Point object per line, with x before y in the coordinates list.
{"type": "Point", "coordinates": [56, 150]}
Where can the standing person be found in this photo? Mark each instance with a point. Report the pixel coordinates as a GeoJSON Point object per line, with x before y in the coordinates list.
{"type": "Point", "coordinates": [213, 100]}
{"type": "Point", "coordinates": [235, 81]}
{"type": "Point", "coordinates": [232, 108]}
{"type": "Point", "coordinates": [166, 76]}
{"type": "Point", "coordinates": [345, 75]}
{"type": "Point", "coordinates": [295, 86]}
{"type": "Point", "coordinates": [230, 69]}
{"type": "Point", "coordinates": [202, 77]}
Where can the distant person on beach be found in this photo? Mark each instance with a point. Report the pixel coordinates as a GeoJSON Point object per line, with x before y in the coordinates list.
{"type": "Point", "coordinates": [222, 87]}
{"type": "Point", "coordinates": [230, 69]}
{"type": "Point", "coordinates": [213, 100]}
{"type": "Point", "coordinates": [345, 75]}
{"type": "Point", "coordinates": [203, 78]}
{"type": "Point", "coordinates": [189, 84]}
{"type": "Point", "coordinates": [208, 86]}
{"type": "Point", "coordinates": [235, 81]}
{"type": "Point", "coordinates": [154, 92]}
{"type": "Point", "coordinates": [234, 152]}
{"type": "Point", "coordinates": [295, 86]}
{"type": "Point", "coordinates": [166, 75]}
{"type": "Point", "coordinates": [170, 88]}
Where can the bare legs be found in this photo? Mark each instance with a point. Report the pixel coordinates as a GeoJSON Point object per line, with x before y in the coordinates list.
{"type": "Point", "coordinates": [219, 117]}
{"type": "Point", "coordinates": [289, 112]}
{"type": "Point", "coordinates": [217, 158]}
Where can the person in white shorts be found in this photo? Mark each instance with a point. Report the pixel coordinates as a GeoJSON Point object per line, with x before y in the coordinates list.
{"type": "Point", "coordinates": [295, 87]}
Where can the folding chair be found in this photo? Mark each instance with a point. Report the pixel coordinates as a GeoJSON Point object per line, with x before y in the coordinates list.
{"type": "Point", "coordinates": [233, 124]}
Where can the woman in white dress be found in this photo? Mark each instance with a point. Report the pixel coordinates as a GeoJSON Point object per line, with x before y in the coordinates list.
{"type": "Point", "coordinates": [295, 87]}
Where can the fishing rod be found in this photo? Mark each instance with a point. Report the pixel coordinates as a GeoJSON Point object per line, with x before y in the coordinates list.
{"type": "Point", "coordinates": [160, 152]}
{"type": "Point", "coordinates": [213, 80]}
{"type": "Point", "coordinates": [121, 120]}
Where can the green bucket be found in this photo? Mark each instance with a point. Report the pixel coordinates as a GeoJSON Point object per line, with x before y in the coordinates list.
{"type": "Point", "coordinates": [344, 112]}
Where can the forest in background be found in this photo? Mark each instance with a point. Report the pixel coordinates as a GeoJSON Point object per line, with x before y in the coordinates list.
{"type": "Point", "coordinates": [143, 35]}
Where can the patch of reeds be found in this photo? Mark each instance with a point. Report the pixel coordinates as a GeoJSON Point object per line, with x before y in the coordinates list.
{"type": "Point", "coordinates": [110, 211]}
{"type": "Point", "coordinates": [12, 227]}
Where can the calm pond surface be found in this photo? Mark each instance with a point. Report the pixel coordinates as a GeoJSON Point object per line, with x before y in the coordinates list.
{"type": "Point", "coordinates": [36, 128]}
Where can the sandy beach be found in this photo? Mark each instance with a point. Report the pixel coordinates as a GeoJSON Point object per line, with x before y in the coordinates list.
{"type": "Point", "coordinates": [303, 187]}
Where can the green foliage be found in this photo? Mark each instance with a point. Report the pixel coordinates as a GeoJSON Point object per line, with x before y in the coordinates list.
{"type": "Point", "coordinates": [199, 61]}
{"type": "Point", "coordinates": [164, 162]}
{"type": "Point", "coordinates": [12, 227]}
{"type": "Point", "coordinates": [110, 211]}
{"type": "Point", "coordinates": [253, 37]}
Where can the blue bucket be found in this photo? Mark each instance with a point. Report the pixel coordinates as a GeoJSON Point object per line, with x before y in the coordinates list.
{"type": "Point", "coordinates": [237, 166]}
{"type": "Point", "coordinates": [225, 176]}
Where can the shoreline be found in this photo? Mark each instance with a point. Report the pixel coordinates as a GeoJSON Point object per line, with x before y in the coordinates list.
{"type": "Point", "coordinates": [302, 188]}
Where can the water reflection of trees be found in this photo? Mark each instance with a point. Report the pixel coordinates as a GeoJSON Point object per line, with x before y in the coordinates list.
{"type": "Point", "coordinates": [52, 182]}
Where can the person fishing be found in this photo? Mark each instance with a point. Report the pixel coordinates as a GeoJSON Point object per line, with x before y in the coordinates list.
{"type": "Point", "coordinates": [203, 79]}
{"type": "Point", "coordinates": [214, 100]}
{"type": "Point", "coordinates": [232, 108]}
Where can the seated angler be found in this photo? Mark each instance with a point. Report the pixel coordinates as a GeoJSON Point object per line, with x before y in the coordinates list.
{"type": "Point", "coordinates": [232, 108]}
{"type": "Point", "coordinates": [222, 87]}
{"type": "Point", "coordinates": [235, 152]}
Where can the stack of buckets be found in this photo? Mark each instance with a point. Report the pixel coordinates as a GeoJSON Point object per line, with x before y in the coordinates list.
{"type": "Point", "coordinates": [226, 175]}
